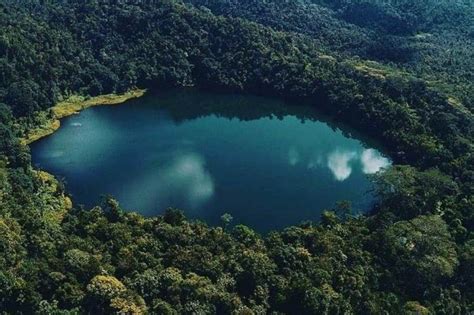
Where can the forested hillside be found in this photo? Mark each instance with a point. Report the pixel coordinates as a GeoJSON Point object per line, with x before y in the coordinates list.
{"type": "Point", "coordinates": [400, 72]}
{"type": "Point", "coordinates": [429, 39]}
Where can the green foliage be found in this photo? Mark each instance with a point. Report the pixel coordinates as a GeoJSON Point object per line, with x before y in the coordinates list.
{"type": "Point", "coordinates": [426, 38]}
{"type": "Point", "coordinates": [105, 287]}
{"type": "Point", "coordinates": [414, 192]}
{"type": "Point", "coordinates": [420, 252]}
{"type": "Point", "coordinates": [413, 307]}
{"type": "Point", "coordinates": [413, 254]}
{"type": "Point", "coordinates": [226, 219]}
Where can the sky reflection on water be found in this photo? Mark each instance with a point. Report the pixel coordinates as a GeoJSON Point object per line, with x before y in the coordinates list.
{"type": "Point", "coordinates": [268, 164]}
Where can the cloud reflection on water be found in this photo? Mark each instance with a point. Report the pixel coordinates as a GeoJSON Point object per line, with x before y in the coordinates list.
{"type": "Point", "coordinates": [341, 162]}
{"type": "Point", "coordinates": [293, 157]}
{"type": "Point", "coordinates": [180, 181]}
{"type": "Point", "coordinates": [316, 161]}
{"type": "Point", "coordinates": [372, 161]}
{"type": "Point", "coordinates": [186, 177]}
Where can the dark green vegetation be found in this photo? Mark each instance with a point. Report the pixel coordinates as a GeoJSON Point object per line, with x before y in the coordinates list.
{"type": "Point", "coordinates": [429, 39]}
{"type": "Point", "coordinates": [415, 254]}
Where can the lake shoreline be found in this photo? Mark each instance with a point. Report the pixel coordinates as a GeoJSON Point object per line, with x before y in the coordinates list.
{"type": "Point", "coordinates": [167, 147]}
{"type": "Point", "coordinates": [73, 106]}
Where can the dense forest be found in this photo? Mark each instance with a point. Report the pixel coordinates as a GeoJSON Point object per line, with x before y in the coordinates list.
{"type": "Point", "coordinates": [400, 71]}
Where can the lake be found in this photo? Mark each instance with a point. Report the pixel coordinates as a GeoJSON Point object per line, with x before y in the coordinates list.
{"type": "Point", "coordinates": [268, 164]}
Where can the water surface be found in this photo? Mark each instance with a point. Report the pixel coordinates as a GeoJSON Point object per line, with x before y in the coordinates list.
{"type": "Point", "coordinates": [268, 164]}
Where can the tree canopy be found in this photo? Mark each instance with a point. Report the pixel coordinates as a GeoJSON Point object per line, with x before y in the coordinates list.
{"type": "Point", "coordinates": [399, 71]}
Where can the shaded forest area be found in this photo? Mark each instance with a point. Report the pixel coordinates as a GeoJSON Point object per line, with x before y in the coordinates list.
{"type": "Point", "coordinates": [429, 39]}
{"type": "Point", "coordinates": [399, 71]}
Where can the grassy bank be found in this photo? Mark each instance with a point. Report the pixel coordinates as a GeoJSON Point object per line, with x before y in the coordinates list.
{"type": "Point", "coordinates": [56, 202]}
{"type": "Point", "coordinates": [49, 121]}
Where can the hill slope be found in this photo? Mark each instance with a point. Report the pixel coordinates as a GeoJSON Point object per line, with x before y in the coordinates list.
{"type": "Point", "coordinates": [414, 254]}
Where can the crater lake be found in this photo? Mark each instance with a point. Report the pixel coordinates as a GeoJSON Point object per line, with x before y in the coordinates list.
{"type": "Point", "coordinates": [267, 162]}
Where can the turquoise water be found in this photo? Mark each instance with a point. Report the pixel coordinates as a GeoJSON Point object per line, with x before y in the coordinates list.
{"type": "Point", "coordinates": [268, 164]}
